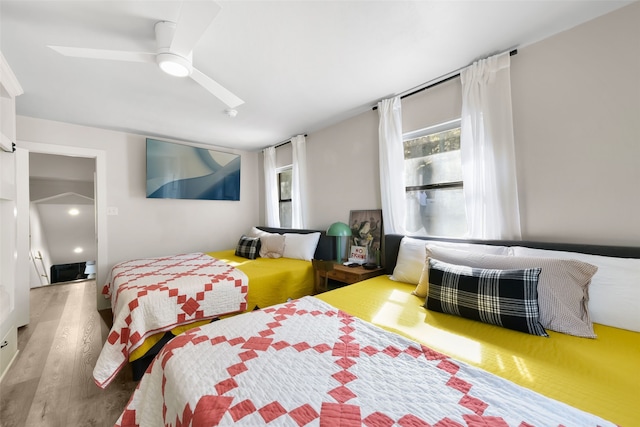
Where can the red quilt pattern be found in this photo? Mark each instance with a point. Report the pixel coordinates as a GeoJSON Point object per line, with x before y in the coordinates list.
{"type": "Point", "coordinates": [157, 294]}
{"type": "Point", "coordinates": [305, 363]}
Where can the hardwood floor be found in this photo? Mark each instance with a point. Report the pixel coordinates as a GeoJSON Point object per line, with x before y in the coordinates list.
{"type": "Point", "coordinates": [50, 383]}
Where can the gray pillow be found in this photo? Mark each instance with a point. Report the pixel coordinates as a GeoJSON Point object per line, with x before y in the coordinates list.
{"type": "Point", "coordinates": [563, 286]}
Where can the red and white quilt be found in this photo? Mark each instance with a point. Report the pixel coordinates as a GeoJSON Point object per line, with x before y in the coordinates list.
{"type": "Point", "coordinates": [305, 363]}
{"type": "Point", "coordinates": [157, 294]}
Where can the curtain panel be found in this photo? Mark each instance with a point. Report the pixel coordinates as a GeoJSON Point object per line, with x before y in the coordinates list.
{"type": "Point", "coordinates": [391, 165]}
{"type": "Point", "coordinates": [299, 182]}
{"type": "Point", "coordinates": [487, 150]}
{"type": "Point", "coordinates": [272, 207]}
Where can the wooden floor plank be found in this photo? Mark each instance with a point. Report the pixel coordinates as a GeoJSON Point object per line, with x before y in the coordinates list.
{"type": "Point", "coordinates": [51, 381]}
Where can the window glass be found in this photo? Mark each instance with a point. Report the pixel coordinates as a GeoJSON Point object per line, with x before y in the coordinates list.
{"type": "Point", "coordinates": [284, 196]}
{"type": "Point", "coordinates": [433, 182]}
{"type": "Point", "coordinates": [284, 183]}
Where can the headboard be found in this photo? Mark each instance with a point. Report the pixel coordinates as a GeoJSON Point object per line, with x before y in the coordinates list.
{"type": "Point", "coordinates": [392, 246]}
{"type": "Point", "coordinates": [326, 248]}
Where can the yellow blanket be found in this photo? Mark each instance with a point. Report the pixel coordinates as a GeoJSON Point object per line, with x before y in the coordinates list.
{"type": "Point", "coordinates": [600, 376]}
{"type": "Point", "coordinates": [271, 281]}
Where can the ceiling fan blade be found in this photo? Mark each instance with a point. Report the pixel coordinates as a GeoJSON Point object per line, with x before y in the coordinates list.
{"type": "Point", "coordinates": [216, 89]}
{"type": "Point", "coordinates": [195, 18]}
{"type": "Point", "coordinates": [116, 55]}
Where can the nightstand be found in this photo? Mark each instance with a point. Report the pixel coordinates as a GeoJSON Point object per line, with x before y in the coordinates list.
{"type": "Point", "coordinates": [349, 275]}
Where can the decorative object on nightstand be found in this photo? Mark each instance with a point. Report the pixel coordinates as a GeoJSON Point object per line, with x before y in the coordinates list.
{"type": "Point", "coordinates": [339, 230]}
{"type": "Point", "coordinates": [366, 231]}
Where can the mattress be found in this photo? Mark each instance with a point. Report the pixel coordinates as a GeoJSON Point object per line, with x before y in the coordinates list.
{"type": "Point", "coordinates": [600, 376]}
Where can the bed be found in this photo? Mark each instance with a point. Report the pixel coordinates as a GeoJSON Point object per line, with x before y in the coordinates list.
{"type": "Point", "coordinates": [372, 354]}
{"type": "Point", "coordinates": [155, 299]}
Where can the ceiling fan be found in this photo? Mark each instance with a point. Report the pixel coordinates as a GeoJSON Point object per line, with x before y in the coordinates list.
{"type": "Point", "coordinates": [175, 43]}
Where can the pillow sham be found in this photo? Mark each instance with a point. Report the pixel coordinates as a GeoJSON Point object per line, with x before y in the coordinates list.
{"type": "Point", "coordinates": [300, 246]}
{"type": "Point", "coordinates": [248, 247]}
{"type": "Point", "coordinates": [411, 259]}
{"type": "Point", "coordinates": [272, 245]}
{"type": "Point", "coordinates": [614, 292]}
{"type": "Point", "coordinates": [506, 298]}
{"type": "Point", "coordinates": [563, 286]}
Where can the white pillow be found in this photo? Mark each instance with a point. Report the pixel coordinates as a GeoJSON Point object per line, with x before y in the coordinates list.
{"type": "Point", "coordinates": [256, 232]}
{"type": "Point", "coordinates": [272, 245]}
{"type": "Point", "coordinates": [300, 246]}
{"type": "Point", "coordinates": [411, 256]}
{"type": "Point", "coordinates": [614, 293]}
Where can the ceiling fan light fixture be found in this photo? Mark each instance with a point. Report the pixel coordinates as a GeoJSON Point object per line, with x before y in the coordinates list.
{"type": "Point", "coordinates": [174, 65]}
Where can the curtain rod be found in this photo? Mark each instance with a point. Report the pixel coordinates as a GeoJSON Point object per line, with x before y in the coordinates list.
{"type": "Point", "coordinates": [440, 80]}
{"type": "Point", "coordinates": [288, 141]}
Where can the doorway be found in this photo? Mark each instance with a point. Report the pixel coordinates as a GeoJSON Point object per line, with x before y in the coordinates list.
{"type": "Point", "coordinates": [61, 217]}
{"type": "Point", "coordinates": [98, 159]}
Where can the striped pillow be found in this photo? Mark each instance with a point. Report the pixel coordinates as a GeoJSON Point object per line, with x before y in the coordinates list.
{"type": "Point", "coordinates": [248, 247]}
{"type": "Point", "coordinates": [563, 286]}
{"type": "Point", "coordinates": [506, 298]}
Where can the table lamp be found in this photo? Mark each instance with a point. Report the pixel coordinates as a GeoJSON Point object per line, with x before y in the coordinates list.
{"type": "Point", "coordinates": [339, 230]}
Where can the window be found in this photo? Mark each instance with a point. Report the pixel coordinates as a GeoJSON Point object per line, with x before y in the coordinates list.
{"type": "Point", "coordinates": [433, 181]}
{"type": "Point", "coordinates": [284, 196]}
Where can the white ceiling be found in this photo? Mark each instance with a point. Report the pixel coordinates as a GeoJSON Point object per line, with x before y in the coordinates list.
{"type": "Point", "coordinates": [298, 65]}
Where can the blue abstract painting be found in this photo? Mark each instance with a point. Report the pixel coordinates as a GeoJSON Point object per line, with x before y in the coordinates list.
{"type": "Point", "coordinates": [177, 171]}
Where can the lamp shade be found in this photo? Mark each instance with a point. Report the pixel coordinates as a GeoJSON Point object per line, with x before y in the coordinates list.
{"type": "Point", "coordinates": [339, 229]}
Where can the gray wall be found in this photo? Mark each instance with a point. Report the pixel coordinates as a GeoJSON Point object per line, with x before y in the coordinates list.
{"type": "Point", "coordinates": [576, 106]}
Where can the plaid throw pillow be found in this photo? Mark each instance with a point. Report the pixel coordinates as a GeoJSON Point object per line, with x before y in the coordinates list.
{"type": "Point", "coordinates": [507, 298]}
{"type": "Point", "coordinates": [248, 247]}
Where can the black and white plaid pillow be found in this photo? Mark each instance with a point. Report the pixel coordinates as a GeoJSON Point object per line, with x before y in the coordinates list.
{"type": "Point", "coordinates": [507, 298]}
{"type": "Point", "coordinates": [248, 247]}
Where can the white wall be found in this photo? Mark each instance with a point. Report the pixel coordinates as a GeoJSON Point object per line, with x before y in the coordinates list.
{"type": "Point", "coordinates": [152, 227]}
{"type": "Point", "coordinates": [576, 106]}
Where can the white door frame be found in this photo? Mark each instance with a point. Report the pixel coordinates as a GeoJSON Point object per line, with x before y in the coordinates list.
{"type": "Point", "coordinates": [100, 184]}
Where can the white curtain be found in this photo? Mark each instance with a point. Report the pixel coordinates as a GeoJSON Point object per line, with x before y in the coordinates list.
{"type": "Point", "coordinates": [487, 150]}
{"type": "Point", "coordinates": [272, 208]}
{"type": "Point", "coordinates": [299, 182]}
{"type": "Point", "coordinates": [391, 154]}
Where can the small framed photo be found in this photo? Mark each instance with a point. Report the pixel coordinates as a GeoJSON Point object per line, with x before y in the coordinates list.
{"type": "Point", "coordinates": [366, 233]}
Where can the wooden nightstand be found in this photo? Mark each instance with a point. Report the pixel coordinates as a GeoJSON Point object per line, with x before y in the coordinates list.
{"type": "Point", "coordinates": [349, 275]}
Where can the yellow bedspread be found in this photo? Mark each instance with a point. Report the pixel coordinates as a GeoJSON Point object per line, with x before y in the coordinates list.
{"type": "Point", "coordinates": [600, 376]}
{"type": "Point", "coordinates": [271, 281]}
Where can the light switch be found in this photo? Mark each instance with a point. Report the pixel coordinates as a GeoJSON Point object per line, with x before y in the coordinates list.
{"type": "Point", "coordinates": [111, 210]}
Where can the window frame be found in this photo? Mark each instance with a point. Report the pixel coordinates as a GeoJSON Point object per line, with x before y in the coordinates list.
{"type": "Point", "coordinates": [441, 127]}
{"type": "Point", "coordinates": [281, 201]}
{"type": "Point", "coordinates": [279, 171]}
{"type": "Point", "coordinates": [444, 226]}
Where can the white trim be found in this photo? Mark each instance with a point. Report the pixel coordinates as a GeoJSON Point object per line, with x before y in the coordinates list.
{"type": "Point", "coordinates": [440, 127]}
{"type": "Point", "coordinates": [9, 80]}
{"type": "Point", "coordinates": [102, 259]}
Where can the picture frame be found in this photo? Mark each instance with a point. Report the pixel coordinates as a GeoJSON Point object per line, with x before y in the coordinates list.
{"type": "Point", "coordinates": [180, 171]}
{"type": "Point", "coordinates": [367, 231]}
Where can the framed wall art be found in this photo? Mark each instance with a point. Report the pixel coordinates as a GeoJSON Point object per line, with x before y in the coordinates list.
{"type": "Point", "coordinates": [366, 234]}
{"type": "Point", "coordinates": [178, 171]}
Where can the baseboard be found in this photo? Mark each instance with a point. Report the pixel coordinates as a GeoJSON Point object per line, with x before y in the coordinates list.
{"type": "Point", "coordinates": [13, 359]}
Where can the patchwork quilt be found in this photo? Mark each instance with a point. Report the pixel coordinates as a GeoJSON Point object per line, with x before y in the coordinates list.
{"type": "Point", "coordinates": [305, 363]}
{"type": "Point", "coordinates": [157, 294]}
